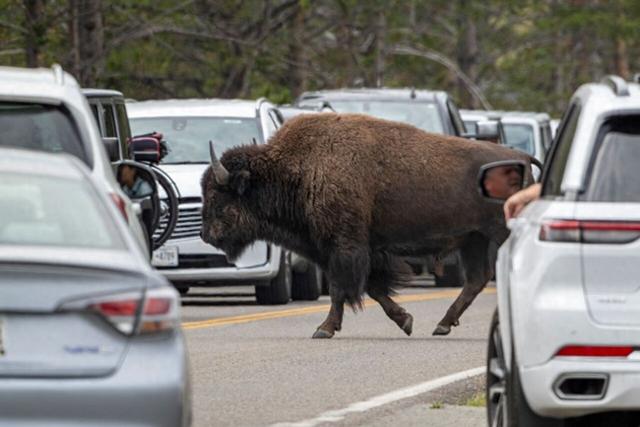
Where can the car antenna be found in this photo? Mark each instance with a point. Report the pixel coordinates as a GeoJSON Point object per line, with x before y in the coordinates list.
{"type": "Point", "coordinates": [413, 93]}
{"type": "Point", "coordinates": [253, 140]}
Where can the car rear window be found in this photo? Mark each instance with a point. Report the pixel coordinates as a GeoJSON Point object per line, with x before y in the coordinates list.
{"type": "Point", "coordinates": [39, 127]}
{"type": "Point", "coordinates": [423, 115]}
{"type": "Point", "coordinates": [53, 211]}
{"type": "Point", "coordinates": [520, 137]}
{"type": "Point", "coordinates": [615, 175]}
{"type": "Point", "coordinates": [188, 137]}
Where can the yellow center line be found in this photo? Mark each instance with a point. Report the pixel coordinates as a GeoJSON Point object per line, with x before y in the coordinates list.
{"type": "Point", "coordinates": [245, 318]}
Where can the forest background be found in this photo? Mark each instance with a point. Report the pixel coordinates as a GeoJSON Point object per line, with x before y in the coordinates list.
{"type": "Point", "coordinates": [506, 54]}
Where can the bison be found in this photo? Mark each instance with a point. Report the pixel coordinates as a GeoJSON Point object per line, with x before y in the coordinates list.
{"type": "Point", "coordinates": [355, 194]}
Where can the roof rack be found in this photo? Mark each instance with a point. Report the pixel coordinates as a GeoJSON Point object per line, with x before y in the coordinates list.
{"type": "Point", "coordinates": [617, 84]}
{"type": "Point", "coordinates": [58, 74]}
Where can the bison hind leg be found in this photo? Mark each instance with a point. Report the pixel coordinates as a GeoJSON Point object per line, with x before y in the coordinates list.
{"type": "Point", "coordinates": [389, 272]}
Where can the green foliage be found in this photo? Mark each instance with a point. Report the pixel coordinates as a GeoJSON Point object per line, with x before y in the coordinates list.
{"type": "Point", "coordinates": [524, 54]}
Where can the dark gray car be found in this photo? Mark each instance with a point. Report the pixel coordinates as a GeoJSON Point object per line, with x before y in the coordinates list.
{"type": "Point", "coordinates": [89, 332]}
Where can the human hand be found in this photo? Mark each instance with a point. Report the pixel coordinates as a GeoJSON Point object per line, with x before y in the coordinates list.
{"type": "Point", "coordinates": [516, 203]}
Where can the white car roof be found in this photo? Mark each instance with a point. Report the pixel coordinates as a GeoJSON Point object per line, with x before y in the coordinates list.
{"type": "Point", "coordinates": [193, 107]}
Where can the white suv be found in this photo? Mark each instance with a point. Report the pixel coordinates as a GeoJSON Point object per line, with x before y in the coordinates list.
{"type": "Point", "coordinates": [565, 341]}
{"type": "Point", "coordinates": [44, 110]}
{"type": "Point", "coordinates": [187, 126]}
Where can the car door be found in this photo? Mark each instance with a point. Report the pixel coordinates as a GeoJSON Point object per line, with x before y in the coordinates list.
{"type": "Point", "coordinates": [517, 257]}
{"type": "Point", "coordinates": [608, 214]}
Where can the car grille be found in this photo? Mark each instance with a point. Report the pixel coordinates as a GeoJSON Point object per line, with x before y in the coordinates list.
{"type": "Point", "coordinates": [189, 222]}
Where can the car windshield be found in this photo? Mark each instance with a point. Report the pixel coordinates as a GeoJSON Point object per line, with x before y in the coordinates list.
{"type": "Point", "coordinates": [53, 211]}
{"type": "Point", "coordinates": [39, 127]}
{"type": "Point", "coordinates": [188, 137]}
{"type": "Point", "coordinates": [423, 115]}
{"type": "Point", "coordinates": [520, 137]}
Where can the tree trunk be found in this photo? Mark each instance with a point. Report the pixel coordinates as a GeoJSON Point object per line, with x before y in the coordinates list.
{"type": "Point", "coordinates": [87, 40]}
{"type": "Point", "coordinates": [381, 32]}
{"type": "Point", "coordinates": [35, 31]}
{"type": "Point", "coordinates": [467, 52]}
{"type": "Point", "coordinates": [297, 58]}
{"type": "Point", "coordinates": [621, 59]}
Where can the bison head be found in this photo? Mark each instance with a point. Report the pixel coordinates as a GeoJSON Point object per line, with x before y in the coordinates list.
{"type": "Point", "coordinates": [228, 223]}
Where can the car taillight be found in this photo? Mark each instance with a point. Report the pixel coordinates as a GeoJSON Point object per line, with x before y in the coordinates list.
{"type": "Point", "coordinates": [155, 310]}
{"type": "Point", "coordinates": [120, 204]}
{"type": "Point", "coordinates": [595, 351]}
{"type": "Point", "coordinates": [589, 231]}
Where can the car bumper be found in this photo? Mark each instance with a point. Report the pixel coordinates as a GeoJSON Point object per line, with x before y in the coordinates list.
{"type": "Point", "coordinates": [158, 395]}
{"type": "Point", "coordinates": [257, 264]}
{"type": "Point", "coordinates": [622, 386]}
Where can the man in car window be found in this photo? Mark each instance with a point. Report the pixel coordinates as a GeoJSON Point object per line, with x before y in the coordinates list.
{"type": "Point", "coordinates": [133, 186]}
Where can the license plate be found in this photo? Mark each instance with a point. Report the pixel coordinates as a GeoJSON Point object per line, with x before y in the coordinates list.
{"type": "Point", "coordinates": [166, 256]}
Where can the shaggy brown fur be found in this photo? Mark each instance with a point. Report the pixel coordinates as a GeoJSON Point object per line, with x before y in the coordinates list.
{"type": "Point", "coordinates": [353, 193]}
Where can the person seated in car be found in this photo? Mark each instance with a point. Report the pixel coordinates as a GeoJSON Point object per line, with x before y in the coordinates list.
{"type": "Point", "coordinates": [133, 185]}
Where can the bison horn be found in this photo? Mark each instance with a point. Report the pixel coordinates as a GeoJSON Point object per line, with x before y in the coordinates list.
{"type": "Point", "coordinates": [220, 172]}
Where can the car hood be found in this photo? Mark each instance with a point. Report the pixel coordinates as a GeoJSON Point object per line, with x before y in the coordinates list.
{"type": "Point", "coordinates": [187, 178]}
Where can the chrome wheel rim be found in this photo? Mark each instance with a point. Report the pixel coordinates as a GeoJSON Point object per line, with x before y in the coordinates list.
{"type": "Point", "coordinates": [496, 382]}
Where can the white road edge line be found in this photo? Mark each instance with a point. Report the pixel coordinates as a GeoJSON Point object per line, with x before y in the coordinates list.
{"type": "Point", "coordinates": [384, 399]}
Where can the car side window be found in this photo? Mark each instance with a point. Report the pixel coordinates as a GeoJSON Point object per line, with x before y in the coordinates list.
{"type": "Point", "coordinates": [552, 179]}
{"type": "Point", "coordinates": [123, 126]}
{"type": "Point", "coordinates": [109, 121]}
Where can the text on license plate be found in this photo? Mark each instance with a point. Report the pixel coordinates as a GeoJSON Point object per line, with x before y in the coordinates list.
{"type": "Point", "coordinates": [166, 256]}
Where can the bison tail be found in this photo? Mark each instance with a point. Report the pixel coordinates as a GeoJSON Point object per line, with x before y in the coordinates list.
{"type": "Point", "coordinates": [349, 270]}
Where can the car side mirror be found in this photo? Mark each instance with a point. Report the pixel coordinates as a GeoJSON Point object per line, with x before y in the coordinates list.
{"type": "Point", "coordinates": [112, 145]}
{"type": "Point", "coordinates": [145, 149]}
{"type": "Point", "coordinates": [487, 130]}
{"type": "Point", "coordinates": [498, 181]}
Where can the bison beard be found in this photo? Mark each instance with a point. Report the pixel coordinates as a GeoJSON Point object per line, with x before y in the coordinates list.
{"type": "Point", "coordinates": [355, 194]}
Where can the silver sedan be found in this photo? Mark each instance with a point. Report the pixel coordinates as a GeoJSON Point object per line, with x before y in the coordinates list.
{"type": "Point", "coordinates": [89, 332]}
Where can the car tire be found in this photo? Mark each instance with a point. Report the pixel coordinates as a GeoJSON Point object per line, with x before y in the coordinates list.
{"type": "Point", "coordinates": [453, 272]}
{"type": "Point", "coordinates": [506, 402]}
{"type": "Point", "coordinates": [278, 289]}
{"type": "Point", "coordinates": [307, 286]}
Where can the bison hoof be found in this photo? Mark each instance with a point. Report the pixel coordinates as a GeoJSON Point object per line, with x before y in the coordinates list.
{"type": "Point", "coordinates": [407, 326]}
{"type": "Point", "coordinates": [321, 333]}
{"type": "Point", "coordinates": [442, 330]}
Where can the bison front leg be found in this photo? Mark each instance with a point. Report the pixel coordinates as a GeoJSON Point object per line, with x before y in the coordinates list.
{"type": "Point", "coordinates": [478, 260]}
{"type": "Point", "coordinates": [333, 322]}
{"type": "Point", "coordinates": [348, 270]}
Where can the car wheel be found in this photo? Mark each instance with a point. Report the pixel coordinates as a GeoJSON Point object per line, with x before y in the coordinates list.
{"type": "Point", "coordinates": [496, 395]}
{"type": "Point", "coordinates": [278, 289]}
{"type": "Point", "coordinates": [506, 403]}
{"type": "Point", "coordinates": [453, 272]}
{"type": "Point", "coordinates": [307, 286]}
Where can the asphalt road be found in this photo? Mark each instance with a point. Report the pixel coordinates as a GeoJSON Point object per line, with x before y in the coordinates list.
{"type": "Point", "coordinates": [258, 366]}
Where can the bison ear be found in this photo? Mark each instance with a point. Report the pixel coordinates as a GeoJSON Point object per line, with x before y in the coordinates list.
{"type": "Point", "coordinates": [239, 181]}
